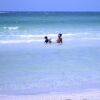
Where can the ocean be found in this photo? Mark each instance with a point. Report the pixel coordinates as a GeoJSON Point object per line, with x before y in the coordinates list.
{"type": "Point", "coordinates": [29, 66]}
{"type": "Point", "coordinates": [32, 26]}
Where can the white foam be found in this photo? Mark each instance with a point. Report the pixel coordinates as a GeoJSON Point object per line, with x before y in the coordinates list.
{"type": "Point", "coordinates": [32, 38]}
{"type": "Point", "coordinates": [18, 41]}
{"type": "Point", "coordinates": [11, 28]}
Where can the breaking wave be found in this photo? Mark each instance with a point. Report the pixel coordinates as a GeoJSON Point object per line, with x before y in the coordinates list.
{"type": "Point", "coordinates": [40, 38]}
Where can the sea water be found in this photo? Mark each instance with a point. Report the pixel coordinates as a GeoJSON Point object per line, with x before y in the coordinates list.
{"type": "Point", "coordinates": [29, 66]}
{"type": "Point", "coordinates": [29, 26]}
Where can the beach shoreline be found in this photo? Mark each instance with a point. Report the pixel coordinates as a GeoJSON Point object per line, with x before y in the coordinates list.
{"type": "Point", "coordinates": [90, 95]}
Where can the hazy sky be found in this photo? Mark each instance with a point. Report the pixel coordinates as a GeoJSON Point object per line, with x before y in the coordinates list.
{"type": "Point", "coordinates": [49, 5]}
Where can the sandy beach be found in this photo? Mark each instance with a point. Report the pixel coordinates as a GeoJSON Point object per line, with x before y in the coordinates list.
{"type": "Point", "coordinates": [92, 95]}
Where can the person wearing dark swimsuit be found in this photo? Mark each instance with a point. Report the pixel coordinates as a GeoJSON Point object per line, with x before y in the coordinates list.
{"type": "Point", "coordinates": [47, 40]}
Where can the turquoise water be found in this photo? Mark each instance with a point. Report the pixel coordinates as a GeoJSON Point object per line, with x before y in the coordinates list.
{"type": "Point", "coordinates": [30, 25]}
{"type": "Point", "coordinates": [31, 67]}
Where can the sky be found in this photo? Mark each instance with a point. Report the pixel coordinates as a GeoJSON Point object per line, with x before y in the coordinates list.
{"type": "Point", "coordinates": [49, 5]}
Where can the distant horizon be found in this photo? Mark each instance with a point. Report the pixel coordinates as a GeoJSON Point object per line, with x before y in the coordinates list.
{"type": "Point", "coordinates": [45, 11]}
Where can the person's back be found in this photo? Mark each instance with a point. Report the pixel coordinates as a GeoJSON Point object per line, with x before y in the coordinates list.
{"type": "Point", "coordinates": [59, 40]}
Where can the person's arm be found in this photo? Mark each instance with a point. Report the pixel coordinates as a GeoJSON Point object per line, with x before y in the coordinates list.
{"type": "Point", "coordinates": [61, 41]}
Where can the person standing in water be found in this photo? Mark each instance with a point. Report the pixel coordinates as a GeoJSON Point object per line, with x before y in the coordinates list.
{"type": "Point", "coordinates": [59, 40]}
{"type": "Point", "coordinates": [47, 40]}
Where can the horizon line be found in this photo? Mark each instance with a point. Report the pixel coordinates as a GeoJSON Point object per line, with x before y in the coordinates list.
{"type": "Point", "coordinates": [44, 11]}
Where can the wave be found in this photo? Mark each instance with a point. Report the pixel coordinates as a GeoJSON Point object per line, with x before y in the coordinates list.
{"type": "Point", "coordinates": [11, 28]}
{"type": "Point", "coordinates": [17, 41]}
{"type": "Point", "coordinates": [40, 38]}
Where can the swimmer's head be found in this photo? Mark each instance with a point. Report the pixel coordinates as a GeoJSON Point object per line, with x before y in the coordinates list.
{"type": "Point", "coordinates": [45, 37]}
{"type": "Point", "coordinates": [59, 35]}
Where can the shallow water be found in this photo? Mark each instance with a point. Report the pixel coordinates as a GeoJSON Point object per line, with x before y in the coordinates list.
{"type": "Point", "coordinates": [35, 68]}
{"type": "Point", "coordinates": [28, 66]}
